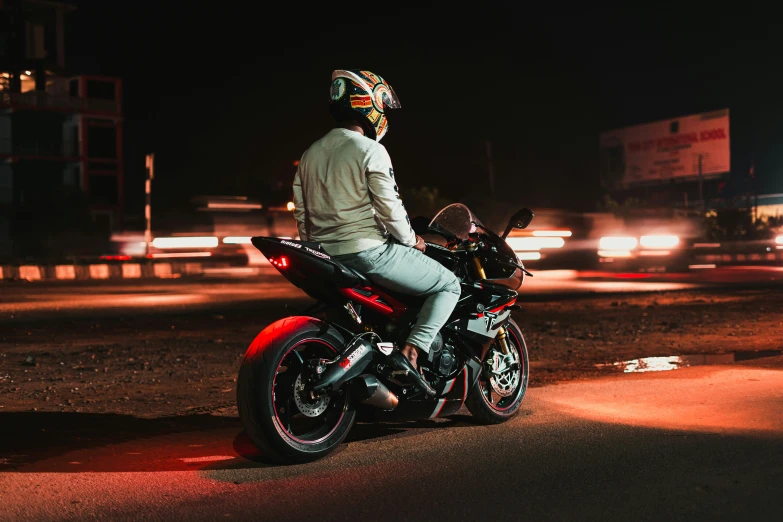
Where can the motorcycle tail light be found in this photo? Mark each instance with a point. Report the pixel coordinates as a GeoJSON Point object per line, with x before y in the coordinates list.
{"type": "Point", "coordinates": [281, 262]}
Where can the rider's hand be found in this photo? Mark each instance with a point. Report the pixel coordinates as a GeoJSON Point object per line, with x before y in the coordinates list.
{"type": "Point", "coordinates": [420, 244]}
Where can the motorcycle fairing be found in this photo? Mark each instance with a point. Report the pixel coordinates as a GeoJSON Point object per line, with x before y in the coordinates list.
{"type": "Point", "coordinates": [487, 324]}
{"type": "Point", "coordinates": [451, 395]}
{"type": "Point", "coordinates": [310, 268]}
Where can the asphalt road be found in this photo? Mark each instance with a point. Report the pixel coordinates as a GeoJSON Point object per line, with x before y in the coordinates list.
{"type": "Point", "coordinates": [701, 443]}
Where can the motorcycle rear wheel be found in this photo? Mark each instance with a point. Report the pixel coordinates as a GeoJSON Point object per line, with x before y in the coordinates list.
{"type": "Point", "coordinates": [285, 426]}
{"type": "Point", "coordinates": [483, 402]}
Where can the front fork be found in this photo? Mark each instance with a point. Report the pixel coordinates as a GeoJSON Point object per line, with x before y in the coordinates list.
{"type": "Point", "coordinates": [479, 269]}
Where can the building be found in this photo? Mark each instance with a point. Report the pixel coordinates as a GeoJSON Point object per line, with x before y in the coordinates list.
{"type": "Point", "coordinates": [60, 135]}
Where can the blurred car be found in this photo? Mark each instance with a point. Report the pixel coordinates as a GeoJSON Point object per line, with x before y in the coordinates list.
{"type": "Point", "coordinates": [646, 241]}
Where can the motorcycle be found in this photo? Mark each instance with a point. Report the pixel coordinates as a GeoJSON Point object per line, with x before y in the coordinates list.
{"type": "Point", "coordinates": [305, 379]}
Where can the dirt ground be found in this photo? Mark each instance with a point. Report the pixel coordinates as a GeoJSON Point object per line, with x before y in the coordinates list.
{"type": "Point", "coordinates": [175, 364]}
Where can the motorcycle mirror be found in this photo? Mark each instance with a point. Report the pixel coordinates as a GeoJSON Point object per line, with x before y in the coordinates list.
{"type": "Point", "coordinates": [521, 219]}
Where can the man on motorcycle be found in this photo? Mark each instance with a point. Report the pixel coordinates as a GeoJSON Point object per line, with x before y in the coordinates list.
{"type": "Point", "coordinates": [347, 199]}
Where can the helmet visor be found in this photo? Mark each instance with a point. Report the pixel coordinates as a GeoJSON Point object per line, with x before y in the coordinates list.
{"type": "Point", "coordinates": [390, 100]}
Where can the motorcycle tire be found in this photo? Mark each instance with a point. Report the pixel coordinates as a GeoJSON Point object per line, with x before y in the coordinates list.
{"type": "Point", "coordinates": [268, 358]}
{"type": "Point", "coordinates": [479, 401]}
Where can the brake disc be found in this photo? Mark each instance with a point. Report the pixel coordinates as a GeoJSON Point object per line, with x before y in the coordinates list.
{"type": "Point", "coordinates": [307, 407]}
{"type": "Point", "coordinates": [504, 376]}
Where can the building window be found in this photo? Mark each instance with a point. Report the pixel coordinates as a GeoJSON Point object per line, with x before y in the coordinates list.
{"type": "Point", "coordinates": [101, 142]}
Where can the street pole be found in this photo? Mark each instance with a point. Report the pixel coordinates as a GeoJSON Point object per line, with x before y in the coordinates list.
{"type": "Point", "coordinates": [490, 169]}
{"type": "Point", "coordinates": [150, 167]}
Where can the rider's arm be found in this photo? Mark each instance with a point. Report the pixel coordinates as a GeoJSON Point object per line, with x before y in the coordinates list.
{"type": "Point", "coordinates": [299, 207]}
{"type": "Point", "coordinates": [386, 198]}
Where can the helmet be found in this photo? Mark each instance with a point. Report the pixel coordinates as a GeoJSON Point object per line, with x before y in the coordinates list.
{"type": "Point", "coordinates": [365, 97]}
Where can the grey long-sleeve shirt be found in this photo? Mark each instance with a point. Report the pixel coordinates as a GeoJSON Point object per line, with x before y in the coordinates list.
{"type": "Point", "coordinates": [345, 195]}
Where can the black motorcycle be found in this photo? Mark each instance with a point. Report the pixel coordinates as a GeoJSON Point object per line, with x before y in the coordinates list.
{"type": "Point", "coordinates": [304, 379]}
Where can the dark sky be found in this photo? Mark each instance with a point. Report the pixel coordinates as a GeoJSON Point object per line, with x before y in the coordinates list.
{"type": "Point", "coordinates": [228, 97]}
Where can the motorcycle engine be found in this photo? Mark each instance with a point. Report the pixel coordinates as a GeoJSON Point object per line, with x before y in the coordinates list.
{"type": "Point", "coordinates": [447, 360]}
{"type": "Point", "coordinates": [441, 356]}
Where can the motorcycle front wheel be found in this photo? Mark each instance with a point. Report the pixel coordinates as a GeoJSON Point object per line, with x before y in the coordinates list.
{"type": "Point", "coordinates": [496, 396]}
{"type": "Point", "coordinates": [286, 426]}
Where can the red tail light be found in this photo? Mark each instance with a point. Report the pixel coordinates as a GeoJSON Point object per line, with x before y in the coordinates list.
{"type": "Point", "coordinates": [281, 262]}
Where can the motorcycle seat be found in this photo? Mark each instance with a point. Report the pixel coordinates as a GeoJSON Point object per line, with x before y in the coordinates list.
{"type": "Point", "coordinates": [350, 276]}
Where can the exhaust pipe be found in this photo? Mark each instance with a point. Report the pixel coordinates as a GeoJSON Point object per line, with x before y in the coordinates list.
{"type": "Point", "coordinates": [375, 393]}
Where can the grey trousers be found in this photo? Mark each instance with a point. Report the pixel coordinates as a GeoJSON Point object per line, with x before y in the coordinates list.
{"type": "Point", "coordinates": [407, 271]}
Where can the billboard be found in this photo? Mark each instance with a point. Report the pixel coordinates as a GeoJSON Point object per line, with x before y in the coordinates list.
{"type": "Point", "coordinates": [656, 153]}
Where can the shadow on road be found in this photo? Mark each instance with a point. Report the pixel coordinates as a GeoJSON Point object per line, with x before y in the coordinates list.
{"type": "Point", "coordinates": [40, 441]}
{"type": "Point", "coordinates": [108, 442]}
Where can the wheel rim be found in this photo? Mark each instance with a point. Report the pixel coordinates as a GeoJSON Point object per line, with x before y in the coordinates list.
{"type": "Point", "coordinates": [289, 418]}
{"type": "Point", "coordinates": [493, 399]}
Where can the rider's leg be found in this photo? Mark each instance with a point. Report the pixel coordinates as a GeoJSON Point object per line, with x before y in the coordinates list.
{"type": "Point", "coordinates": [408, 271]}
{"type": "Point", "coordinates": [434, 314]}
{"type": "Point", "coordinates": [411, 353]}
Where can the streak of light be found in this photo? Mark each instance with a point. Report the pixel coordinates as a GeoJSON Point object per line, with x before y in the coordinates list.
{"type": "Point", "coordinates": [181, 254]}
{"type": "Point", "coordinates": [617, 243]}
{"type": "Point", "coordinates": [528, 256]}
{"type": "Point", "coordinates": [552, 233]}
{"type": "Point", "coordinates": [185, 242]}
{"type": "Point", "coordinates": [237, 240]}
{"type": "Point", "coordinates": [235, 206]}
{"type": "Point", "coordinates": [614, 253]}
{"type": "Point", "coordinates": [534, 243]}
{"type": "Point", "coordinates": [659, 241]}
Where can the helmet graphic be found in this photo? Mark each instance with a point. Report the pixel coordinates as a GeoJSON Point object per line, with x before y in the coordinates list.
{"type": "Point", "coordinates": [365, 97]}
